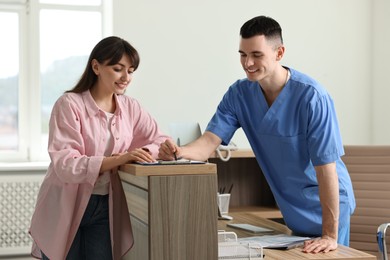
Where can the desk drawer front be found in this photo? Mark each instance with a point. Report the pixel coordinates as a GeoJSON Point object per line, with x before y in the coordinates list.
{"type": "Point", "coordinates": [137, 202]}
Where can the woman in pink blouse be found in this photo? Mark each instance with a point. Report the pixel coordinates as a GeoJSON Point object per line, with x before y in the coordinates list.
{"type": "Point", "coordinates": [81, 210]}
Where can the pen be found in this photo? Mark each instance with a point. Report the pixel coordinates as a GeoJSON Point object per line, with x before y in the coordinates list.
{"type": "Point", "coordinates": [230, 190]}
{"type": "Point", "coordinates": [178, 144]}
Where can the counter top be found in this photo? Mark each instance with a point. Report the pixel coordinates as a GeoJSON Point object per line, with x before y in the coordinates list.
{"type": "Point", "coordinates": [164, 170]}
{"type": "Point", "coordinates": [240, 153]}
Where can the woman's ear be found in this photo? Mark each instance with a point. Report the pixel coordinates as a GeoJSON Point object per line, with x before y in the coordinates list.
{"type": "Point", "coordinates": [95, 66]}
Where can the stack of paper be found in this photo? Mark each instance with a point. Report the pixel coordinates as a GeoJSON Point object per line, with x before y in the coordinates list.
{"type": "Point", "coordinates": [239, 251]}
{"type": "Point", "coordinates": [281, 241]}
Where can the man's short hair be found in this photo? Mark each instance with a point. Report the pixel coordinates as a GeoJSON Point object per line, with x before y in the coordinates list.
{"type": "Point", "coordinates": [262, 25]}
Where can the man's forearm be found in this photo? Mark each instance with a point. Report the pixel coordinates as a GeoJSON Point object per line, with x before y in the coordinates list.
{"type": "Point", "coordinates": [202, 148]}
{"type": "Point", "coordinates": [329, 197]}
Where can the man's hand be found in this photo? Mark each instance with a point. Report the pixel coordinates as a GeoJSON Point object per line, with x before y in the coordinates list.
{"type": "Point", "coordinates": [322, 244]}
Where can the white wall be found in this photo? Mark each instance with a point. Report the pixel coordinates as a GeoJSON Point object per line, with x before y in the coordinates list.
{"type": "Point", "coordinates": [381, 72]}
{"type": "Point", "coordinates": [189, 55]}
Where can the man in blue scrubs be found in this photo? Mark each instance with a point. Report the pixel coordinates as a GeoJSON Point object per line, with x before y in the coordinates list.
{"type": "Point", "coordinates": [291, 124]}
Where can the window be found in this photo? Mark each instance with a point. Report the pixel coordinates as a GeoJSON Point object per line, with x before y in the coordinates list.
{"type": "Point", "coordinates": [9, 78]}
{"type": "Point", "coordinates": [47, 46]}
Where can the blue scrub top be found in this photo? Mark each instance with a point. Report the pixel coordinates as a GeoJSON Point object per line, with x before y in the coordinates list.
{"type": "Point", "coordinates": [299, 131]}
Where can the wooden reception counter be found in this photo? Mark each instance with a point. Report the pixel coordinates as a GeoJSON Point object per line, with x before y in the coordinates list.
{"type": "Point", "coordinates": [173, 209]}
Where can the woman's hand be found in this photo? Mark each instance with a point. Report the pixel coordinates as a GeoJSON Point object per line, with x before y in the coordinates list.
{"type": "Point", "coordinates": [115, 160]}
{"type": "Point", "coordinates": [139, 155]}
{"type": "Point", "coordinates": [168, 150]}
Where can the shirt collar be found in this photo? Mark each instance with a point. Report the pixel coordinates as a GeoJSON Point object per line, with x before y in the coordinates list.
{"type": "Point", "coordinates": [91, 107]}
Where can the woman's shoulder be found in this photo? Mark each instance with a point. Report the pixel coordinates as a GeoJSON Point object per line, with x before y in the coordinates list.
{"type": "Point", "coordinates": [128, 101]}
{"type": "Point", "coordinates": [70, 98]}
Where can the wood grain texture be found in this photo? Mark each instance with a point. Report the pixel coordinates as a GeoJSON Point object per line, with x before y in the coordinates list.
{"type": "Point", "coordinates": [250, 186]}
{"type": "Point", "coordinates": [241, 153]}
{"type": "Point", "coordinates": [183, 217]}
{"type": "Point", "coordinates": [163, 170]}
{"type": "Point", "coordinates": [342, 252]}
{"type": "Point", "coordinates": [263, 212]}
{"type": "Point", "coordinates": [140, 248]}
{"type": "Point", "coordinates": [174, 213]}
{"type": "Point", "coordinates": [139, 181]}
{"type": "Point", "coordinates": [137, 201]}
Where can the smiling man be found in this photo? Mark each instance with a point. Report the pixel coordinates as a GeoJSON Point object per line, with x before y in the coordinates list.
{"type": "Point", "coordinates": [291, 124]}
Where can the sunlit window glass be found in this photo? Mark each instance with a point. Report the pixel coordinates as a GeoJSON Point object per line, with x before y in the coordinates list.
{"type": "Point", "coordinates": [72, 2]}
{"type": "Point", "coordinates": [9, 77]}
{"type": "Point", "coordinates": [65, 46]}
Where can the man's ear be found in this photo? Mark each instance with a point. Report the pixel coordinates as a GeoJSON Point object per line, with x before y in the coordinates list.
{"type": "Point", "coordinates": [95, 66]}
{"type": "Point", "coordinates": [280, 52]}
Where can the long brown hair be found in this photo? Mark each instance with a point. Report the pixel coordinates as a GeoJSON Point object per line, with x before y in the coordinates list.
{"type": "Point", "coordinates": [109, 50]}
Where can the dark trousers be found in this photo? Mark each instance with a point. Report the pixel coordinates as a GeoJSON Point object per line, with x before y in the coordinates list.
{"type": "Point", "coordinates": [92, 239]}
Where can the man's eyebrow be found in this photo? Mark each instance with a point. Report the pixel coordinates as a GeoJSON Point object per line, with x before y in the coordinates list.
{"type": "Point", "coordinates": [253, 52]}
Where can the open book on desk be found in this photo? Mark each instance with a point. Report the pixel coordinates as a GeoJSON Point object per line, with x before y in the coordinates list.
{"type": "Point", "coordinates": [281, 241]}
{"type": "Point", "coordinates": [173, 162]}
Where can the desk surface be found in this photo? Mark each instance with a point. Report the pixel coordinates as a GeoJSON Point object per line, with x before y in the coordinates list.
{"type": "Point", "coordinates": [164, 170]}
{"type": "Point", "coordinates": [340, 253]}
{"type": "Point", "coordinates": [240, 153]}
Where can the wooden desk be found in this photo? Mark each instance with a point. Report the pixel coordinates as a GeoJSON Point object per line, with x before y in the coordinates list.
{"type": "Point", "coordinates": [240, 153]}
{"type": "Point", "coordinates": [368, 166]}
{"type": "Point", "coordinates": [341, 253]}
{"type": "Point", "coordinates": [173, 209]}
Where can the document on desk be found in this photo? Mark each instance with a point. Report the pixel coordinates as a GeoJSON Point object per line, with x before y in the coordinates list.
{"type": "Point", "coordinates": [280, 241]}
{"type": "Point", "coordinates": [238, 250]}
{"type": "Point", "coordinates": [173, 162]}
{"type": "Point", "coordinates": [250, 228]}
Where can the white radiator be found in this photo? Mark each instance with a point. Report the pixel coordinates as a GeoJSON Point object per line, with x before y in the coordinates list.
{"type": "Point", "coordinates": [18, 194]}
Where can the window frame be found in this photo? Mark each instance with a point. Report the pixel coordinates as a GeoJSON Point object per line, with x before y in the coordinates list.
{"type": "Point", "coordinates": [29, 87]}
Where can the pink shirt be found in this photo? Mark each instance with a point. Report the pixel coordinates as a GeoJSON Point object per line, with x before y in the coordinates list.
{"type": "Point", "coordinates": [77, 142]}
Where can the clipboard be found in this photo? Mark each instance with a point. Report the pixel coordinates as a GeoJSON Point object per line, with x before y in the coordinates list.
{"type": "Point", "coordinates": [173, 162]}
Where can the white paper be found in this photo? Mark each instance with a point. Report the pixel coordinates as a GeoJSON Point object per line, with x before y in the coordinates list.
{"type": "Point", "coordinates": [276, 241]}
{"type": "Point", "coordinates": [239, 250]}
